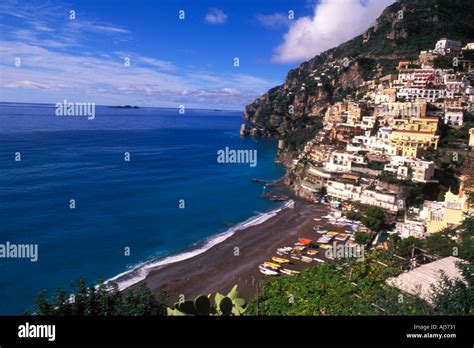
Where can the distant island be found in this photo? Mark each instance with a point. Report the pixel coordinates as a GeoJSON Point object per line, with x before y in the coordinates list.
{"type": "Point", "coordinates": [124, 107]}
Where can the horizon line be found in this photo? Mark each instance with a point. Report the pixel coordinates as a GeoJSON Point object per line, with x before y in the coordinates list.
{"type": "Point", "coordinates": [141, 107]}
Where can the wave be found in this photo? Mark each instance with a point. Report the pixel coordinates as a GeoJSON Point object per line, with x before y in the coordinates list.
{"type": "Point", "coordinates": [139, 272]}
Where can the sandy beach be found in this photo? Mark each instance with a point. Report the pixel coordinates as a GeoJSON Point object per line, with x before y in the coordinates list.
{"type": "Point", "coordinates": [223, 265]}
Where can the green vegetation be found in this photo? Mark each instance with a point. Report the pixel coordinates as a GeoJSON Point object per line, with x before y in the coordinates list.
{"type": "Point", "coordinates": [443, 62]}
{"type": "Point", "coordinates": [345, 287]}
{"type": "Point", "coordinates": [457, 137]}
{"type": "Point", "coordinates": [374, 218]}
{"type": "Point", "coordinates": [375, 165]}
{"type": "Point", "coordinates": [304, 129]}
{"type": "Point", "coordinates": [454, 297]}
{"type": "Point", "coordinates": [348, 287]}
{"type": "Point", "coordinates": [83, 300]}
{"type": "Point", "coordinates": [361, 238]}
{"type": "Point", "coordinates": [231, 304]}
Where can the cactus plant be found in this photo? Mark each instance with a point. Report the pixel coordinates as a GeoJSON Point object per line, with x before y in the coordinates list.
{"type": "Point", "coordinates": [238, 303]}
{"type": "Point", "coordinates": [231, 304]}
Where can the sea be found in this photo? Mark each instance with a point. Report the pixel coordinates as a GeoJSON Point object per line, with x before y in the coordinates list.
{"type": "Point", "coordinates": [110, 197]}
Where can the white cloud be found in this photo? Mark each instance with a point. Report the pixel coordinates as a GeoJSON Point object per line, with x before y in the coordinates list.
{"type": "Point", "coordinates": [28, 84]}
{"type": "Point", "coordinates": [57, 61]}
{"type": "Point", "coordinates": [275, 20]}
{"type": "Point", "coordinates": [162, 64]}
{"type": "Point", "coordinates": [333, 22]}
{"type": "Point", "coordinates": [215, 16]}
{"type": "Point", "coordinates": [95, 27]}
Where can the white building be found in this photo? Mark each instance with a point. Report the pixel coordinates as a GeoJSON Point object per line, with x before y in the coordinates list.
{"type": "Point", "coordinates": [453, 116]}
{"type": "Point", "coordinates": [344, 191]}
{"type": "Point", "coordinates": [377, 197]}
{"type": "Point", "coordinates": [471, 137]}
{"type": "Point", "coordinates": [415, 169]}
{"type": "Point", "coordinates": [377, 145]}
{"type": "Point", "coordinates": [383, 199]}
{"type": "Point", "coordinates": [444, 46]}
{"type": "Point", "coordinates": [410, 228]}
{"type": "Point", "coordinates": [341, 161]}
{"type": "Point", "coordinates": [429, 94]}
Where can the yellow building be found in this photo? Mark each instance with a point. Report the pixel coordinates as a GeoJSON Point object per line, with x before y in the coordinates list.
{"type": "Point", "coordinates": [408, 143]}
{"type": "Point", "coordinates": [450, 212]}
{"type": "Point", "coordinates": [353, 113]}
{"type": "Point", "coordinates": [419, 124]}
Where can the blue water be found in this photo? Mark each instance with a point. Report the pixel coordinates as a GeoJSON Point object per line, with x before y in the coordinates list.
{"type": "Point", "coordinates": [118, 204]}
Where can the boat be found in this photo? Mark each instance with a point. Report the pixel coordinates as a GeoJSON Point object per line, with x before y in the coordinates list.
{"type": "Point", "coordinates": [324, 239]}
{"type": "Point", "coordinates": [286, 271]}
{"type": "Point", "coordinates": [312, 252]}
{"type": "Point", "coordinates": [305, 241]}
{"type": "Point", "coordinates": [317, 219]}
{"type": "Point", "coordinates": [272, 265]}
{"type": "Point", "coordinates": [333, 233]}
{"type": "Point", "coordinates": [280, 260]}
{"type": "Point", "coordinates": [342, 236]}
{"type": "Point", "coordinates": [284, 250]}
{"type": "Point", "coordinates": [325, 246]}
{"type": "Point", "coordinates": [319, 260]}
{"type": "Point", "coordinates": [267, 271]}
{"type": "Point", "coordinates": [295, 257]}
{"type": "Point", "coordinates": [306, 259]}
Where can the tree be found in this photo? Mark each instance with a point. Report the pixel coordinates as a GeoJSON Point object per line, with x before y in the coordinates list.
{"type": "Point", "coordinates": [374, 218]}
{"type": "Point", "coordinates": [361, 237]}
{"type": "Point", "coordinates": [101, 300]}
{"type": "Point", "coordinates": [455, 296]}
{"type": "Point", "coordinates": [405, 246]}
{"type": "Point", "coordinates": [442, 62]}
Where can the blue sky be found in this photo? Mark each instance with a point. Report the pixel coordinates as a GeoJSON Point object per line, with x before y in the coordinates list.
{"type": "Point", "coordinates": [172, 61]}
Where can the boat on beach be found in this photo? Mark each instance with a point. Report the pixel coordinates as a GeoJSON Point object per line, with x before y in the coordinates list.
{"type": "Point", "coordinates": [319, 260]}
{"type": "Point", "coordinates": [306, 259]}
{"type": "Point", "coordinates": [289, 271]}
{"type": "Point", "coordinates": [267, 271]}
{"type": "Point", "coordinates": [280, 260]}
{"type": "Point", "coordinates": [284, 250]}
{"type": "Point", "coordinates": [272, 265]}
{"type": "Point", "coordinates": [325, 246]}
{"type": "Point", "coordinates": [304, 241]}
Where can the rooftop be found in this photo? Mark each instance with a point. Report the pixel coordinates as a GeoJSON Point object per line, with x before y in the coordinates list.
{"type": "Point", "coordinates": [419, 280]}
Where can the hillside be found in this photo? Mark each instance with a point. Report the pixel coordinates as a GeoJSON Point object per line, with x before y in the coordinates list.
{"type": "Point", "coordinates": [286, 111]}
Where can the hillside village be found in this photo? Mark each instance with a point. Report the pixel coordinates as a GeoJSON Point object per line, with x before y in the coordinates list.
{"type": "Point", "coordinates": [395, 132]}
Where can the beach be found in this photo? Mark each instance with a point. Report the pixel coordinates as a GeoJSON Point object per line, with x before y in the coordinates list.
{"type": "Point", "coordinates": [236, 259]}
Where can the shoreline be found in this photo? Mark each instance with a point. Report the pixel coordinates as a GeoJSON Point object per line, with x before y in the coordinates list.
{"type": "Point", "coordinates": [235, 260]}
{"type": "Point", "coordinates": [137, 274]}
